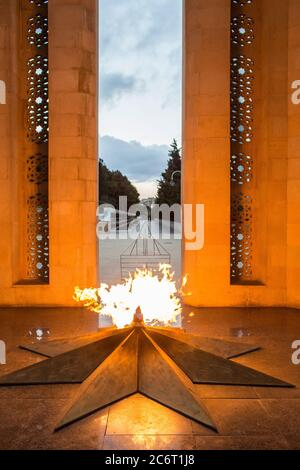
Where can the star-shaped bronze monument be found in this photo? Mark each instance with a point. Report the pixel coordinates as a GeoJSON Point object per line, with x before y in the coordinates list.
{"type": "Point", "coordinates": [160, 363]}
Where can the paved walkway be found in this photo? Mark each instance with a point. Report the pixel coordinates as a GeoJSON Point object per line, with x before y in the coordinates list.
{"type": "Point", "coordinates": [110, 251]}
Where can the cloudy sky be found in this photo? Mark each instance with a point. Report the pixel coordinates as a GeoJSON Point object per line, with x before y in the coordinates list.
{"type": "Point", "coordinates": [140, 86]}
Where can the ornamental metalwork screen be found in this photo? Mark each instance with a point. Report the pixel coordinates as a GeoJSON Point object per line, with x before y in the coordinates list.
{"type": "Point", "coordinates": [36, 99]}
{"type": "Point", "coordinates": [242, 164]}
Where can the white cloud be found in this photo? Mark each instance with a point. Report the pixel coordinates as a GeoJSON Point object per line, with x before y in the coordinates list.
{"type": "Point", "coordinates": [114, 85]}
{"type": "Point", "coordinates": [140, 63]}
{"type": "Point", "coordinates": [138, 162]}
{"type": "Point", "coordinates": [146, 188]}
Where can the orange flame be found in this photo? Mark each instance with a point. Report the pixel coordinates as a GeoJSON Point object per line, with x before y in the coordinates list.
{"type": "Point", "coordinates": [155, 295]}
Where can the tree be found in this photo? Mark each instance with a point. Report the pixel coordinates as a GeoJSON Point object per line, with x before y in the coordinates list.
{"type": "Point", "coordinates": [169, 186]}
{"type": "Point", "coordinates": [113, 184]}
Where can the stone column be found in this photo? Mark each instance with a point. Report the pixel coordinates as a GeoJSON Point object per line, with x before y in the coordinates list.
{"type": "Point", "coordinates": [206, 152]}
{"type": "Point", "coordinates": [73, 143]}
{"type": "Point", "coordinates": [293, 184]}
{"type": "Point", "coordinates": [73, 155]}
{"type": "Point", "coordinates": [206, 145]}
{"type": "Point", "coordinates": [7, 71]}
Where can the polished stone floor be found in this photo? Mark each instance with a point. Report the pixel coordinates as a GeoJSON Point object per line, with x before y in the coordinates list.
{"type": "Point", "coordinates": [247, 417]}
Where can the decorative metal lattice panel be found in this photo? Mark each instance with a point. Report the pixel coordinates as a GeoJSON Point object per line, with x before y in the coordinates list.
{"type": "Point", "coordinates": [37, 130]}
{"type": "Point", "coordinates": [241, 99]}
{"type": "Point", "coordinates": [241, 3]}
{"type": "Point", "coordinates": [242, 135]}
{"type": "Point", "coordinates": [39, 3]}
{"type": "Point", "coordinates": [242, 30]}
{"type": "Point", "coordinates": [38, 237]}
{"type": "Point", "coordinates": [38, 31]}
{"type": "Point", "coordinates": [241, 236]}
{"type": "Point", "coordinates": [37, 169]}
{"type": "Point", "coordinates": [241, 168]}
{"type": "Point", "coordinates": [38, 99]}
